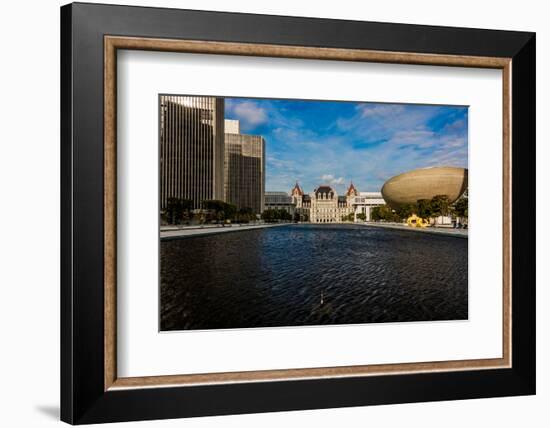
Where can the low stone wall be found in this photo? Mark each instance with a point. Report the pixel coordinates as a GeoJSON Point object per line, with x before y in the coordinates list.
{"type": "Point", "coordinates": [447, 231]}
{"type": "Point", "coordinates": [168, 232]}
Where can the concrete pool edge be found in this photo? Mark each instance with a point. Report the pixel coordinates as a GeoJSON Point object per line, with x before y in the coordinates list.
{"type": "Point", "coordinates": [454, 233]}
{"type": "Point", "coordinates": [166, 235]}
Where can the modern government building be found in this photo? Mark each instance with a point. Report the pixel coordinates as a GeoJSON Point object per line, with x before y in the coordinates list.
{"type": "Point", "coordinates": [205, 157]}
{"type": "Point", "coordinates": [244, 179]}
{"type": "Point", "coordinates": [191, 148]}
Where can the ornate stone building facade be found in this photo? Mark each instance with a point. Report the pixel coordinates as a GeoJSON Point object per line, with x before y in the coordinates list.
{"type": "Point", "coordinates": [324, 205]}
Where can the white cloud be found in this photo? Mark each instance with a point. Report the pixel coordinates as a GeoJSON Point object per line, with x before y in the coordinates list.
{"type": "Point", "coordinates": [372, 144]}
{"type": "Point", "coordinates": [250, 113]}
{"type": "Point", "coordinates": [380, 121]}
{"type": "Point", "coordinates": [282, 164]}
{"type": "Point", "coordinates": [331, 179]}
{"type": "Point", "coordinates": [456, 126]}
{"type": "Point", "coordinates": [380, 110]}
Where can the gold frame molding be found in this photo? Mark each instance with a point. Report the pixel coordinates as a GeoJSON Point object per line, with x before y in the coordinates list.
{"type": "Point", "coordinates": [113, 43]}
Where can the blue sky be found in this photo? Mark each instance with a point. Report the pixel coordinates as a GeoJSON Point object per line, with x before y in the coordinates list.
{"type": "Point", "coordinates": [326, 142]}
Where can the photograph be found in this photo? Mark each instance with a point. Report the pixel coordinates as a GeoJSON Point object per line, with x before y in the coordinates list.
{"type": "Point", "coordinates": [293, 212]}
{"type": "Point", "coordinates": [257, 213]}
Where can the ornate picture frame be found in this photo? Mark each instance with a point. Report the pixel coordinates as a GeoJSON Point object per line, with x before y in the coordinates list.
{"type": "Point", "coordinates": [91, 389]}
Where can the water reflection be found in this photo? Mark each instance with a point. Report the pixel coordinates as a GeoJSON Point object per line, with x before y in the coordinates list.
{"type": "Point", "coordinates": [311, 275]}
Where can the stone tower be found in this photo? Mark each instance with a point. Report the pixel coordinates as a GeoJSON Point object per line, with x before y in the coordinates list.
{"type": "Point", "coordinates": [297, 195]}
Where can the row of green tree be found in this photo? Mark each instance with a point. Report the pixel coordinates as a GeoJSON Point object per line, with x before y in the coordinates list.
{"type": "Point", "coordinates": [425, 208]}
{"type": "Point", "coordinates": [351, 217]}
{"type": "Point", "coordinates": [180, 211]}
{"type": "Point", "coordinates": [272, 215]}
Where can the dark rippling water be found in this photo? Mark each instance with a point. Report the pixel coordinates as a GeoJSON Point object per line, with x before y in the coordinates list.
{"type": "Point", "coordinates": [277, 276]}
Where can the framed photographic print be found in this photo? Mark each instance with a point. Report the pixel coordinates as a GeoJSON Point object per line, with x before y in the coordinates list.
{"type": "Point", "coordinates": [267, 213]}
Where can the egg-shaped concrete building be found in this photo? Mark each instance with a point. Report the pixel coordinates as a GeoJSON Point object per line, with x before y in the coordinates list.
{"type": "Point", "coordinates": [425, 183]}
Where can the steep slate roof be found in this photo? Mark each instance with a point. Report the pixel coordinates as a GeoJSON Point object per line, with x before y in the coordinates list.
{"type": "Point", "coordinates": [352, 190]}
{"type": "Point", "coordinates": [297, 189]}
{"type": "Point", "coordinates": [324, 189]}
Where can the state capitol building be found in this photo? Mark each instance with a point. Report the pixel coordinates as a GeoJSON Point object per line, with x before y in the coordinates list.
{"type": "Point", "coordinates": [324, 205]}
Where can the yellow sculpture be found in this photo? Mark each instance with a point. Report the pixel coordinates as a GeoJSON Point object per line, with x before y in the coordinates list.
{"type": "Point", "coordinates": [415, 221]}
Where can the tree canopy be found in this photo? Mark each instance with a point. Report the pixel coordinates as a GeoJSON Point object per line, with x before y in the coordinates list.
{"type": "Point", "coordinates": [425, 208]}
{"type": "Point", "coordinates": [460, 207]}
{"type": "Point", "coordinates": [177, 210]}
{"type": "Point", "coordinates": [221, 210]}
{"type": "Point", "coordinates": [273, 215]}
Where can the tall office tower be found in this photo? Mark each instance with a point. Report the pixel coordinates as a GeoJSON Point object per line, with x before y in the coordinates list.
{"type": "Point", "coordinates": [191, 148]}
{"type": "Point", "coordinates": [232, 126]}
{"type": "Point", "coordinates": [244, 169]}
